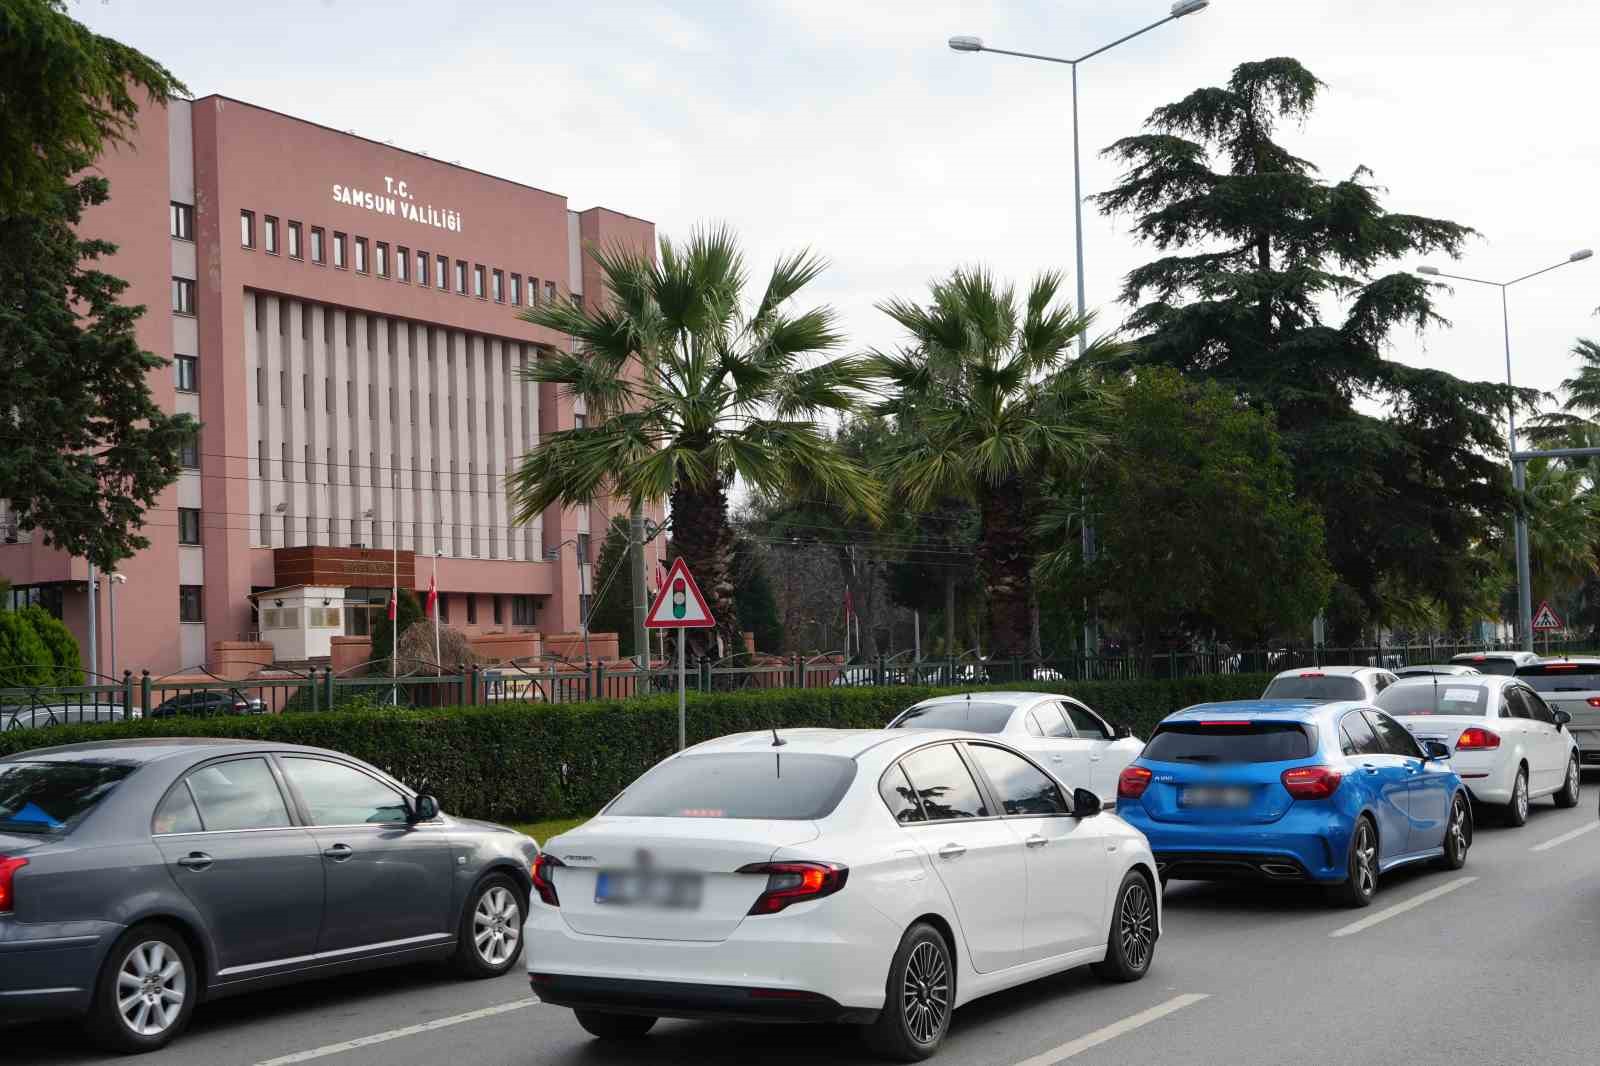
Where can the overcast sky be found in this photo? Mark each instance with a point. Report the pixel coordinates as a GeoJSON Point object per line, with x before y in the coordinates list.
{"type": "Point", "coordinates": [851, 128]}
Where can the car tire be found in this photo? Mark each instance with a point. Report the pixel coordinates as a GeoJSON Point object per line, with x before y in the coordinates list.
{"type": "Point", "coordinates": [1515, 813]}
{"type": "Point", "coordinates": [489, 941]}
{"type": "Point", "coordinates": [1457, 834]}
{"type": "Point", "coordinates": [152, 963]}
{"type": "Point", "coordinates": [1567, 797]}
{"type": "Point", "coordinates": [1131, 942]}
{"type": "Point", "coordinates": [918, 998]}
{"type": "Point", "coordinates": [603, 1025]}
{"type": "Point", "coordinates": [1361, 865]}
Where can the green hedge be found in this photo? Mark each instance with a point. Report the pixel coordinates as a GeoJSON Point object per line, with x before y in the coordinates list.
{"type": "Point", "coordinates": [526, 762]}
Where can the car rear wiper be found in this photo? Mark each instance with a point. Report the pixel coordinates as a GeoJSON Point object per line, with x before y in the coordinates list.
{"type": "Point", "coordinates": [1199, 758]}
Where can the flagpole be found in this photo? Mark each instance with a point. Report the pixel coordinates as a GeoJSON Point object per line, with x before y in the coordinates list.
{"type": "Point", "coordinates": [433, 595]}
{"type": "Point", "coordinates": [394, 596]}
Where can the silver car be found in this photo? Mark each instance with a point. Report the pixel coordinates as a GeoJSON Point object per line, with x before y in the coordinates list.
{"type": "Point", "coordinates": [1504, 663]}
{"type": "Point", "coordinates": [1327, 683]}
{"type": "Point", "coordinates": [1437, 670]}
{"type": "Point", "coordinates": [141, 877]}
{"type": "Point", "coordinates": [1573, 685]}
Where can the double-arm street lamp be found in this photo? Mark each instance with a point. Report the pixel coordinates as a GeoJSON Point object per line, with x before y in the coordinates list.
{"type": "Point", "coordinates": [1518, 478]}
{"type": "Point", "coordinates": [584, 607]}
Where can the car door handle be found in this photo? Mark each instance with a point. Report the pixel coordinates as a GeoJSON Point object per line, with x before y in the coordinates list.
{"type": "Point", "coordinates": [1369, 768]}
{"type": "Point", "coordinates": [339, 852]}
{"type": "Point", "coordinates": [195, 860]}
{"type": "Point", "coordinates": [1036, 841]}
{"type": "Point", "coordinates": [952, 851]}
{"type": "Point", "coordinates": [1095, 757]}
{"type": "Point", "coordinates": [1055, 758]}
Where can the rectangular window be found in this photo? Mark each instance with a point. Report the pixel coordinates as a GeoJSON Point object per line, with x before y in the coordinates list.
{"type": "Point", "coordinates": [583, 549]}
{"type": "Point", "coordinates": [499, 281]}
{"type": "Point", "coordinates": [472, 609]}
{"type": "Point", "coordinates": [580, 420]}
{"type": "Point", "coordinates": [402, 263]}
{"type": "Point", "coordinates": [441, 273]}
{"type": "Point", "coordinates": [522, 610]}
{"type": "Point", "coordinates": [533, 290]}
{"type": "Point", "coordinates": [180, 219]}
{"type": "Point", "coordinates": [338, 249]}
{"type": "Point", "coordinates": [477, 281]}
{"type": "Point", "coordinates": [422, 269]}
{"type": "Point", "coordinates": [190, 605]}
{"type": "Point", "coordinates": [269, 234]}
{"type": "Point", "coordinates": [183, 296]}
{"type": "Point", "coordinates": [187, 368]}
{"type": "Point", "coordinates": [461, 276]}
{"type": "Point", "coordinates": [295, 249]}
{"type": "Point", "coordinates": [550, 292]}
{"type": "Point", "coordinates": [361, 255]}
{"type": "Point", "coordinates": [516, 289]}
{"type": "Point", "coordinates": [444, 607]}
{"type": "Point", "coordinates": [188, 525]}
{"type": "Point", "coordinates": [499, 610]}
{"type": "Point", "coordinates": [380, 265]}
{"type": "Point", "coordinates": [189, 453]}
{"type": "Point", "coordinates": [247, 229]}
{"type": "Point", "coordinates": [317, 253]}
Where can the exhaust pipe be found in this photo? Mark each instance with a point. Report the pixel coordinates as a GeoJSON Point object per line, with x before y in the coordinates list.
{"type": "Point", "coordinates": [1279, 869]}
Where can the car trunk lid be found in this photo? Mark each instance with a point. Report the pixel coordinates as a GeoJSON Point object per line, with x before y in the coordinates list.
{"type": "Point", "coordinates": [1226, 771]}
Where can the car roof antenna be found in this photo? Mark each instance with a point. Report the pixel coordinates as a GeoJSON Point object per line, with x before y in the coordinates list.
{"type": "Point", "coordinates": [777, 741]}
{"type": "Point", "coordinates": [1436, 694]}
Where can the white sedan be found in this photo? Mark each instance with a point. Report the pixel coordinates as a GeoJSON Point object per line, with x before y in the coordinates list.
{"type": "Point", "coordinates": [1061, 733]}
{"type": "Point", "coordinates": [879, 877]}
{"type": "Point", "coordinates": [1507, 745]}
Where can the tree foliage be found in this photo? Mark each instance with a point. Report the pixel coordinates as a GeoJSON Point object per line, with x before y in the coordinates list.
{"type": "Point", "coordinates": [409, 613]}
{"type": "Point", "coordinates": [59, 642]}
{"type": "Point", "coordinates": [610, 610]}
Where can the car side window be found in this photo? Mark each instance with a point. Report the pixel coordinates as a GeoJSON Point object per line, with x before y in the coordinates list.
{"type": "Point", "coordinates": [177, 813]}
{"type": "Point", "coordinates": [1537, 709]}
{"type": "Point", "coordinates": [1085, 722]}
{"type": "Point", "coordinates": [1512, 704]}
{"type": "Point", "coordinates": [335, 794]}
{"type": "Point", "coordinates": [1054, 723]}
{"type": "Point", "coordinates": [1031, 724]}
{"type": "Point", "coordinates": [944, 784]}
{"type": "Point", "coordinates": [238, 794]}
{"type": "Point", "coordinates": [1021, 787]}
{"type": "Point", "coordinates": [900, 797]}
{"type": "Point", "coordinates": [1396, 740]}
{"type": "Point", "coordinates": [1356, 736]}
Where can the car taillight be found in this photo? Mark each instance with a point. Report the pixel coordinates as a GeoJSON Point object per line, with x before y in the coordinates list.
{"type": "Point", "coordinates": [542, 883]}
{"type": "Point", "coordinates": [1132, 782]}
{"type": "Point", "coordinates": [795, 882]}
{"type": "Point", "coordinates": [8, 867]}
{"type": "Point", "coordinates": [1593, 701]}
{"type": "Point", "coordinates": [1476, 739]}
{"type": "Point", "coordinates": [1312, 782]}
{"type": "Point", "coordinates": [1313, 674]}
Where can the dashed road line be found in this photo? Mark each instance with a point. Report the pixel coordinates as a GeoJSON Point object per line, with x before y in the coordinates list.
{"type": "Point", "coordinates": [397, 1034]}
{"type": "Point", "coordinates": [1564, 837]}
{"type": "Point", "coordinates": [1114, 1030]}
{"type": "Point", "coordinates": [1400, 908]}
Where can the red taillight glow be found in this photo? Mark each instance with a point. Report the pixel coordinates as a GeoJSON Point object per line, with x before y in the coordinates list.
{"type": "Point", "coordinates": [795, 882]}
{"type": "Point", "coordinates": [542, 883]}
{"type": "Point", "coordinates": [1593, 701]}
{"type": "Point", "coordinates": [1132, 782]}
{"type": "Point", "coordinates": [1313, 675]}
{"type": "Point", "coordinates": [1476, 739]}
{"type": "Point", "coordinates": [8, 867]}
{"type": "Point", "coordinates": [1229, 722]}
{"type": "Point", "coordinates": [1312, 782]}
{"type": "Point", "coordinates": [1559, 666]}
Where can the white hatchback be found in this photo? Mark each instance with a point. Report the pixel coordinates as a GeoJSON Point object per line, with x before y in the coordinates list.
{"type": "Point", "coordinates": [880, 877]}
{"type": "Point", "coordinates": [1507, 745]}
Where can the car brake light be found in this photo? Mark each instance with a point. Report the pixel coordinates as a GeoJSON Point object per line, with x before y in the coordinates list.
{"type": "Point", "coordinates": [1313, 675]}
{"type": "Point", "coordinates": [1230, 722]}
{"type": "Point", "coordinates": [542, 883]}
{"type": "Point", "coordinates": [1132, 782]}
{"type": "Point", "coordinates": [1593, 701]}
{"type": "Point", "coordinates": [1476, 739]}
{"type": "Point", "coordinates": [8, 867]}
{"type": "Point", "coordinates": [1559, 666]}
{"type": "Point", "coordinates": [1312, 782]}
{"type": "Point", "coordinates": [795, 882]}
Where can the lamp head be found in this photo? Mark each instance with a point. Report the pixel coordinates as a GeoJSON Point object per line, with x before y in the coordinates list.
{"type": "Point", "coordinates": [1580, 254]}
{"type": "Point", "coordinates": [966, 44]}
{"type": "Point", "coordinates": [1188, 7]}
{"type": "Point", "coordinates": [1432, 272]}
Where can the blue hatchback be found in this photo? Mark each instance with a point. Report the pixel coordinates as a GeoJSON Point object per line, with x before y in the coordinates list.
{"type": "Point", "coordinates": [1290, 790]}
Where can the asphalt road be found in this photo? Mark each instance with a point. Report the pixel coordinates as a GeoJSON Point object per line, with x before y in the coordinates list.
{"type": "Point", "coordinates": [1496, 963]}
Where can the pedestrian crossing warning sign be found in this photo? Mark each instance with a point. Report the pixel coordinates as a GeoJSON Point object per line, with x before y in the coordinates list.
{"type": "Point", "coordinates": [1545, 618]}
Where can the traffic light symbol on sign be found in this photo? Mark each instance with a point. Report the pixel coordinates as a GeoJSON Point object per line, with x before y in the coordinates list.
{"type": "Point", "coordinates": [679, 604]}
{"type": "Point", "coordinates": [680, 599]}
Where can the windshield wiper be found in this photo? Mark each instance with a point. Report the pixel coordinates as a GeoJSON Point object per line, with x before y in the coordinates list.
{"type": "Point", "coordinates": [1199, 758]}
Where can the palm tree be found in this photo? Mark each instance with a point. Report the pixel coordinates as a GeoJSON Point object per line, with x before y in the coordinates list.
{"type": "Point", "coordinates": [988, 404]}
{"type": "Point", "coordinates": [1562, 511]}
{"type": "Point", "coordinates": [686, 389]}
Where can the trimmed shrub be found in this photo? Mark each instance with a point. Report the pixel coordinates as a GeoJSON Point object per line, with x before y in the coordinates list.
{"type": "Point", "coordinates": [24, 657]}
{"type": "Point", "coordinates": [526, 762]}
{"type": "Point", "coordinates": [59, 642]}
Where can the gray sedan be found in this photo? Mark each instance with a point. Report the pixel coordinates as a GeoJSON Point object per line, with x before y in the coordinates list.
{"type": "Point", "coordinates": [140, 877]}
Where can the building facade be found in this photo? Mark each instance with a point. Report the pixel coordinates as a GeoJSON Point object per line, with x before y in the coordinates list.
{"type": "Point", "coordinates": [341, 316]}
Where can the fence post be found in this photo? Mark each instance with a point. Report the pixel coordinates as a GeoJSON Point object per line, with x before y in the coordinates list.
{"type": "Point", "coordinates": [799, 671]}
{"type": "Point", "coordinates": [311, 689]}
{"type": "Point", "coordinates": [127, 693]}
{"type": "Point", "coordinates": [600, 680]}
{"type": "Point", "coordinates": [705, 673]}
{"type": "Point", "coordinates": [327, 690]}
{"type": "Point", "coordinates": [472, 682]}
{"type": "Point", "coordinates": [144, 693]}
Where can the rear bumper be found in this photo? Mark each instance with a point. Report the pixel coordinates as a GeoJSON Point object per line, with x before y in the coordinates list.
{"type": "Point", "coordinates": [1302, 846]}
{"type": "Point", "coordinates": [673, 999]}
{"type": "Point", "coordinates": [48, 976]}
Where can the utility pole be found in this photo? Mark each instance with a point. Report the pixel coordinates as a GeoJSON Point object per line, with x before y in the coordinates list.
{"type": "Point", "coordinates": [641, 605]}
{"type": "Point", "coordinates": [94, 629]}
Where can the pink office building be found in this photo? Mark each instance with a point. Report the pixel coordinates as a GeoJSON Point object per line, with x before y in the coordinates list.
{"type": "Point", "coordinates": [341, 319]}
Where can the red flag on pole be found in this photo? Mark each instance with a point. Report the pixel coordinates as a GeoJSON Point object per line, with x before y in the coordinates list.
{"type": "Point", "coordinates": [391, 608]}
{"type": "Point", "coordinates": [433, 596]}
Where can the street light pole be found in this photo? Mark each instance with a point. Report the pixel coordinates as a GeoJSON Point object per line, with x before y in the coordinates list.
{"type": "Point", "coordinates": [975, 44]}
{"type": "Point", "coordinates": [1518, 471]}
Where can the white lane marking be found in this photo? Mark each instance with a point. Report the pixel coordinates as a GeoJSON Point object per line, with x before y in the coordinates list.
{"type": "Point", "coordinates": [1114, 1030]}
{"type": "Point", "coordinates": [397, 1034]}
{"type": "Point", "coordinates": [1400, 908]}
{"type": "Point", "coordinates": [1564, 837]}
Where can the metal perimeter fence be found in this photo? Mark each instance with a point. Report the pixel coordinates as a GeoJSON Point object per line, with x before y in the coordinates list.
{"type": "Point", "coordinates": [34, 704]}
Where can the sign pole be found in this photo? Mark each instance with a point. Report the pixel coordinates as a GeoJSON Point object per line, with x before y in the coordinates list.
{"type": "Point", "coordinates": [680, 605]}
{"type": "Point", "coordinates": [682, 742]}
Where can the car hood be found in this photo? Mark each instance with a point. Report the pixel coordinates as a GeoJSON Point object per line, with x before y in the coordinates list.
{"type": "Point", "coordinates": [474, 825]}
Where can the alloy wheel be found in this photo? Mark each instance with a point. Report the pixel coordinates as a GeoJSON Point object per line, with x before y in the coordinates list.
{"type": "Point", "coordinates": [1520, 797]}
{"type": "Point", "coordinates": [1136, 925]}
{"type": "Point", "coordinates": [1458, 828]}
{"type": "Point", "coordinates": [1366, 860]}
{"type": "Point", "coordinates": [925, 998]}
{"type": "Point", "coordinates": [496, 926]}
{"type": "Point", "coordinates": [1574, 781]}
{"type": "Point", "coordinates": [152, 985]}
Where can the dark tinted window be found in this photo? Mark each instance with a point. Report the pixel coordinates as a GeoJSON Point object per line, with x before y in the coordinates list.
{"type": "Point", "coordinates": [1488, 665]}
{"type": "Point", "coordinates": [960, 714]}
{"type": "Point", "coordinates": [944, 784]}
{"type": "Point", "coordinates": [53, 797]}
{"type": "Point", "coordinates": [739, 785]}
{"type": "Point", "coordinates": [1443, 698]}
{"type": "Point", "coordinates": [1019, 785]}
{"type": "Point", "coordinates": [1512, 705]}
{"type": "Point", "coordinates": [1357, 738]}
{"type": "Point", "coordinates": [1250, 742]}
{"type": "Point", "coordinates": [1314, 686]}
{"type": "Point", "coordinates": [900, 797]}
{"type": "Point", "coordinates": [1561, 677]}
{"type": "Point", "coordinates": [1086, 724]}
{"type": "Point", "coordinates": [340, 795]}
{"type": "Point", "coordinates": [177, 813]}
{"type": "Point", "coordinates": [239, 794]}
{"type": "Point", "coordinates": [1393, 735]}
{"type": "Point", "coordinates": [1538, 708]}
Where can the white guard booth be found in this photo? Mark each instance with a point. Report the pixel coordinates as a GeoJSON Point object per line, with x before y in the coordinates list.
{"type": "Point", "coordinates": [300, 621]}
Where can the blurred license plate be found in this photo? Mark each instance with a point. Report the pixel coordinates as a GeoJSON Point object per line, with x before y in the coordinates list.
{"type": "Point", "coordinates": [1214, 796]}
{"type": "Point", "coordinates": [676, 891]}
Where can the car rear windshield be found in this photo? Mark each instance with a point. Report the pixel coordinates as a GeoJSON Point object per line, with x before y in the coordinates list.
{"type": "Point", "coordinates": [1443, 698]}
{"type": "Point", "coordinates": [971, 715]}
{"type": "Point", "coordinates": [1314, 687]}
{"type": "Point", "coordinates": [1562, 677]}
{"type": "Point", "coordinates": [1489, 665]}
{"type": "Point", "coordinates": [1229, 743]}
{"type": "Point", "coordinates": [53, 797]}
{"type": "Point", "coordinates": [739, 785]}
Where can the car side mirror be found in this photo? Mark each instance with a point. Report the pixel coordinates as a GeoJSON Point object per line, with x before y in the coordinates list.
{"type": "Point", "coordinates": [1562, 718]}
{"type": "Point", "coordinates": [1123, 732]}
{"type": "Point", "coordinates": [424, 809]}
{"type": "Point", "coordinates": [1085, 803]}
{"type": "Point", "coordinates": [1435, 749]}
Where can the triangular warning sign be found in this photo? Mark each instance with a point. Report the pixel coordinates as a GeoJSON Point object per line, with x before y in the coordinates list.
{"type": "Point", "coordinates": [679, 604]}
{"type": "Point", "coordinates": [1546, 618]}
